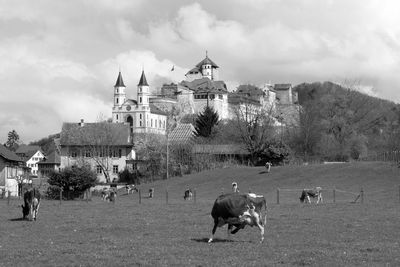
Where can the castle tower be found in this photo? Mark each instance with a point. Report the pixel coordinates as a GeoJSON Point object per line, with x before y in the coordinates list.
{"type": "Point", "coordinates": [119, 91]}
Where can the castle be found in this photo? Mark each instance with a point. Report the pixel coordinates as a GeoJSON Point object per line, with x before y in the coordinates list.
{"type": "Point", "coordinates": [148, 113]}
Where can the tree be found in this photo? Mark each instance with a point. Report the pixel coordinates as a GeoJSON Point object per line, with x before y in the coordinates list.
{"type": "Point", "coordinates": [73, 181]}
{"type": "Point", "coordinates": [12, 141]}
{"type": "Point", "coordinates": [206, 121]}
{"type": "Point", "coordinates": [256, 127]}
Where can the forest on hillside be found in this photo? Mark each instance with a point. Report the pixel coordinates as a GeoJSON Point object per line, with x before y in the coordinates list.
{"type": "Point", "coordinates": [340, 123]}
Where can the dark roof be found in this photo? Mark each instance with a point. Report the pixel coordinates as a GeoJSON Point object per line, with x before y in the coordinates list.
{"type": "Point", "coordinates": [206, 85]}
{"type": "Point", "coordinates": [53, 158]}
{"type": "Point", "coordinates": [155, 110]}
{"type": "Point", "coordinates": [101, 133]}
{"type": "Point", "coordinates": [282, 86]}
{"type": "Point", "coordinates": [131, 102]}
{"type": "Point", "coordinates": [250, 90]}
{"type": "Point", "coordinates": [235, 99]}
{"type": "Point", "coordinates": [182, 134]}
{"type": "Point", "coordinates": [119, 82]}
{"type": "Point", "coordinates": [232, 149]}
{"type": "Point", "coordinates": [206, 61]}
{"type": "Point", "coordinates": [23, 149]}
{"type": "Point", "coordinates": [143, 81]}
{"type": "Point", "coordinates": [9, 155]}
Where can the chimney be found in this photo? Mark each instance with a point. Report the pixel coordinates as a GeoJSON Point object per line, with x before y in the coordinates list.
{"type": "Point", "coordinates": [82, 123]}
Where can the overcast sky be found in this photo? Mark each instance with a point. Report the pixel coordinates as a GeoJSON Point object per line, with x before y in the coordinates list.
{"type": "Point", "coordinates": [59, 60]}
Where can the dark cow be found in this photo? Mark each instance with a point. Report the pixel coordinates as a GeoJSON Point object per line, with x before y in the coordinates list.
{"type": "Point", "coordinates": [188, 194]}
{"type": "Point", "coordinates": [314, 193]}
{"type": "Point", "coordinates": [131, 188]}
{"type": "Point", "coordinates": [238, 210]}
{"type": "Point", "coordinates": [31, 205]}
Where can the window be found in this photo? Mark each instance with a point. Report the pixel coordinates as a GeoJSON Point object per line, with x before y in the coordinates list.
{"type": "Point", "coordinates": [115, 168]}
{"type": "Point", "coordinates": [116, 100]}
{"type": "Point", "coordinates": [117, 90]}
{"type": "Point", "coordinates": [74, 154]}
{"type": "Point", "coordinates": [87, 154]}
{"type": "Point", "coordinates": [119, 153]}
{"type": "Point", "coordinates": [220, 96]}
{"type": "Point", "coordinates": [140, 99]}
{"type": "Point", "coordinates": [117, 116]}
{"type": "Point", "coordinates": [151, 123]}
{"type": "Point", "coordinates": [140, 116]}
{"type": "Point", "coordinates": [140, 123]}
{"type": "Point", "coordinates": [99, 170]}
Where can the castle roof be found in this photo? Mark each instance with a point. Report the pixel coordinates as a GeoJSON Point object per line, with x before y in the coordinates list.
{"type": "Point", "coordinates": [155, 110]}
{"type": "Point", "coordinates": [90, 134]}
{"type": "Point", "coordinates": [143, 81]}
{"type": "Point", "coordinates": [206, 85]}
{"type": "Point", "coordinates": [207, 61]}
{"type": "Point", "coordinates": [119, 82]}
{"type": "Point", "coordinates": [282, 86]}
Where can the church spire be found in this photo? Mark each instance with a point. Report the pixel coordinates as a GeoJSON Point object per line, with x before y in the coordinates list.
{"type": "Point", "coordinates": [119, 82]}
{"type": "Point", "coordinates": [143, 81]}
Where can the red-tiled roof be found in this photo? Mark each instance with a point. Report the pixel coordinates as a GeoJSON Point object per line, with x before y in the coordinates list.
{"type": "Point", "coordinates": [53, 158]}
{"type": "Point", "coordinates": [9, 155]}
{"type": "Point", "coordinates": [23, 149]}
{"type": "Point", "coordinates": [102, 133]}
{"type": "Point", "coordinates": [182, 134]}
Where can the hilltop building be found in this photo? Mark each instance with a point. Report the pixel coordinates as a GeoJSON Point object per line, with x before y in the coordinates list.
{"type": "Point", "coordinates": [141, 115]}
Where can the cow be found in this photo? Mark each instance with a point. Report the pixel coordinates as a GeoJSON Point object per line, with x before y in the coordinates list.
{"type": "Point", "coordinates": [188, 194]}
{"type": "Point", "coordinates": [108, 194]}
{"type": "Point", "coordinates": [151, 192]}
{"type": "Point", "coordinates": [235, 188]}
{"type": "Point", "coordinates": [238, 210]}
{"type": "Point", "coordinates": [314, 193]}
{"type": "Point", "coordinates": [131, 188]}
{"type": "Point", "coordinates": [268, 166]}
{"type": "Point", "coordinates": [31, 205]}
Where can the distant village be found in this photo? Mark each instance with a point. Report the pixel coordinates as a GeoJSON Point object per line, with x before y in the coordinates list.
{"type": "Point", "coordinates": [147, 114]}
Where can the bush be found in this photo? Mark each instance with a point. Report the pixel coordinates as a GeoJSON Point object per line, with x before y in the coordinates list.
{"type": "Point", "coordinates": [129, 177]}
{"type": "Point", "coordinates": [73, 181]}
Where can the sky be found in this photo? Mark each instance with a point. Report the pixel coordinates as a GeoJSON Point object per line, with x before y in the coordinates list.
{"type": "Point", "coordinates": [59, 60]}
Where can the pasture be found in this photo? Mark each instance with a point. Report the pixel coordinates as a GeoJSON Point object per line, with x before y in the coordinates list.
{"type": "Point", "coordinates": [97, 233]}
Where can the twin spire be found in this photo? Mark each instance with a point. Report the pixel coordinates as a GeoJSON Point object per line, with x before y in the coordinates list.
{"type": "Point", "coordinates": [120, 81]}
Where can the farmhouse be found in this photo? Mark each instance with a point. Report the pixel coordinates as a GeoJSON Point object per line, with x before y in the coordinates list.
{"type": "Point", "coordinates": [105, 147]}
{"type": "Point", "coordinates": [31, 155]}
{"type": "Point", "coordinates": [12, 171]}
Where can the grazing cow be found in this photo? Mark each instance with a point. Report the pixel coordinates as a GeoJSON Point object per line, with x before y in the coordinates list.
{"type": "Point", "coordinates": [238, 210]}
{"type": "Point", "coordinates": [188, 194]}
{"type": "Point", "coordinates": [314, 193]}
{"type": "Point", "coordinates": [31, 204]}
{"type": "Point", "coordinates": [235, 188]}
{"type": "Point", "coordinates": [151, 192]}
{"type": "Point", "coordinates": [108, 194]}
{"type": "Point", "coordinates": [268, 166]}
{"type": "Point", "coordinates": [131, 188]}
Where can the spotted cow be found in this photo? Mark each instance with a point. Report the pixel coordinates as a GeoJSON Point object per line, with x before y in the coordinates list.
{"type": "Point", "coordinates": [237, 211]}
{"type": "Point", "coordinates": [31, 205]}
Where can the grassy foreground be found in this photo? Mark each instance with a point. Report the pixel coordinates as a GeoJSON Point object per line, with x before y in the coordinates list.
{"type": "Point", "coordinates": [77, 233]}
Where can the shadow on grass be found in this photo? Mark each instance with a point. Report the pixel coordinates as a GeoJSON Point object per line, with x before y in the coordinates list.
{"type": "Point", "coordinates": [17, 219]}
{"type": "Point", "coordinates": [218, 240]}
{"type": "Point", "coordinates": [262, 172]}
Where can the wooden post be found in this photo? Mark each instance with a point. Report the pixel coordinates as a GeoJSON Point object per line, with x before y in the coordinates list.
{"type": "Point", "coordinates": [334, 195]}
{"type": "Point", "coordinates": [194, 194]}
{"type": "Point", "coordinates": [166, 196]}
{"type": "Point", "coordinates": [140, 196]}
{"type": "Point", "coordinates": [277, 196]}
{"type": "Point", "coordinates": [8, 197]}
{"type": "Point", "coordinates": [362, 195]}
{"type": "Point", "coordinates": [60, 194]}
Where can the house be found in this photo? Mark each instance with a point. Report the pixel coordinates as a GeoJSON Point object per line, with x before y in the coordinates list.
{"type": "Point", "coordinates": [49, 164]}
{"type": "Point", "coordinates": [12, 171]}
{"type": "Point", "coordinates": [31, 154]}
{"type": "Point", "coordinates": [103, 146]}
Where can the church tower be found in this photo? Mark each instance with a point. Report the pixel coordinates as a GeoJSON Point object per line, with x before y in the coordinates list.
{"type": "Point", "coordinates": [143, 91]}
{"type": "Point", "coordinates": [119, 91]}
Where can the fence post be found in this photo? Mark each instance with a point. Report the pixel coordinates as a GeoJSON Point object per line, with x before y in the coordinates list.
{"type": "Point", "coordinates": [8, 197]}
{"type": "Point", "coordinates": [277, 196]}
{"type": "Point", "coordinates": [166, 196]}
{"type": "Point", "coordinates": [362, 195]}
{"type": "Point", "coordinates": [140, 196]}
{"type": "Point", "coordinates": [334, 195]}
{"type": "Point", "coordinates": [60, 194]}
{"type": "Point", "coordinates": [194, 194]}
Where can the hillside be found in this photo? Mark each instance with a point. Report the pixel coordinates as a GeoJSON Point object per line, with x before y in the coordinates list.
{"type": "Point", "coordinates": [379, 180]}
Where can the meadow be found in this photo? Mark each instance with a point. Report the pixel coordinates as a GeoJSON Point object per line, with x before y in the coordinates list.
{"type": "Point", "coordinates": [154, 233]}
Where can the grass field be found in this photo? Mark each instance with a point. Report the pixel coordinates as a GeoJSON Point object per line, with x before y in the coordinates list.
{"type": "Point", "coordinates": [126, 233]}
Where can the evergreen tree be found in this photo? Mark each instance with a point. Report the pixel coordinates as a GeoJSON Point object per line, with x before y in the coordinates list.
{"type": "Point", "coordinates": [205, 122]}
{"type": "Point", "coordinates": [12, 141]}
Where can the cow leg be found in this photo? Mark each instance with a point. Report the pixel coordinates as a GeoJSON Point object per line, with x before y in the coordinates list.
{"type": "Point", "coordinates": [228, 232]}
{"type": "Point", "coordinates": [308, 199]}
{"type": "Point", "coordinates": [30, 212]}
{"type": "Point", "coordinates": [213, 231]}
{"type": "Point", "coordinates": [37, 210]}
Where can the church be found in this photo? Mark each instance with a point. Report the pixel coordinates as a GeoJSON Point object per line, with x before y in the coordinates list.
{"type": "Point", "coordinates": [141, 115]}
